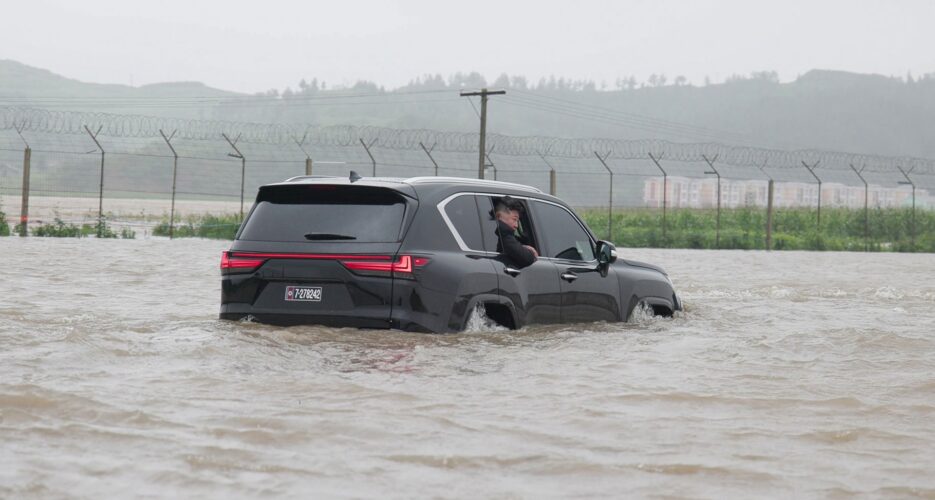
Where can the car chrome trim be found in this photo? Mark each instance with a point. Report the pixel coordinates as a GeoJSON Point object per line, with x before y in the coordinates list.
{"type": "Point", "coordinates": [472, 182]}
{"type": "Point", "coordinates": [300, 177]}
{"type": "Point", "coordinates": [463, 246]}
{"type": "Point", "coordinates": [451, 227]}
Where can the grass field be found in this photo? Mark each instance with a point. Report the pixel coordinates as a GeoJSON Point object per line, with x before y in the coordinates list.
{"type": "Point", "coordinates": [745, 229]}
{"type": "Point", "coordinates": [793, 229]}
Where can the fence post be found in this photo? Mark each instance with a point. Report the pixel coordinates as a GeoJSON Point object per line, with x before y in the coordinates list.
{"type": "Point", "coordinates": [308, 157]}
{"type": "Point", "coordinates": [100, 199]}
{"type": "Point", "coordinates": [175, 169]}
{"type": "Point", "coordinates": [866, 206]}
{"type": "Point", "coordinates": [811, 170]}
{"type": "Point", "coordinates": [769, 217]}
{"type": "Point", "coordinates": [491, 164]}
{"type": "Point", "coordinates": [243, 166]}
{"type": "Point", "coordinates": [717, 231]}
{"type": "Point", "coordinates": [24, 210]}
{"type": "Point", "coordinates": [428, 152]}
{"type": "Point", "coordinates": [769, 208]}
{"type": "Point", "coordinates": [909, 182]}
{"type": "Point", "coordinates": [27, 161]}
{"type": "Point", "coordinates": [665, 194]}
{"type": "Point", "coordinates": [552, 176]}
{"type": "Point", "coordinates": [610, 199]}
{"type": "Point", "coordinates": [372, 160]}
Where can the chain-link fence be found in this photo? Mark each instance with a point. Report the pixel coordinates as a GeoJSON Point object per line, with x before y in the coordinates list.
{"type": "Point", "coordinates": [132, 171]}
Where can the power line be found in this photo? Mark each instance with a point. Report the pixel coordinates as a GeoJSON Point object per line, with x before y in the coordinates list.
{"type": "Point", "coordinates": [285, 104]}
{"type": "Point", "coordinates": [623, 121]}
{"type": "Point", "coordinates": [125, 128]}
{"type": "Point", "coordinates": [638, 118]}
{"type": "Point", "coordinates": [298, 96]}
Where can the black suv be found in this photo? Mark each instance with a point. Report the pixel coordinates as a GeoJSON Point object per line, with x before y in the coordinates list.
{"type": "Point", "coordinates": [420, 254]}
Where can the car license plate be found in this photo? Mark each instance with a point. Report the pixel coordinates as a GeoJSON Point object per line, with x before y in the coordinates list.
{"type": "Point", "coordinates": [303, 294]}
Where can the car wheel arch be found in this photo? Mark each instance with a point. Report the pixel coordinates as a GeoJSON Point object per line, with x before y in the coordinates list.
{"type": "Point", "coordinates": [498, 308]}
{"type": "Point", "coordinates": [660, 306]}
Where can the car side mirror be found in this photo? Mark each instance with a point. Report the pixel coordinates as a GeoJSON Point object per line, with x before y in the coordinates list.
{"type": "Point", "coordinates": [606, 253]}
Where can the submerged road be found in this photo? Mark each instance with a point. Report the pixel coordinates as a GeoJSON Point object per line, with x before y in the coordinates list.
{"type": "Point", "coordinates": [789, 373]}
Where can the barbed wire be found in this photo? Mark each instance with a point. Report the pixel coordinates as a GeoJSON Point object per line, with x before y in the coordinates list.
{"type": "Point", "coordinates": [45, 121]}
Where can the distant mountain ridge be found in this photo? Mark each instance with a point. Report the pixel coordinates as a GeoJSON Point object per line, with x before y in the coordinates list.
{"type": "Point", "coordinates": [831, 110]}
{"type": "Point", "coordinates": [20, 80]}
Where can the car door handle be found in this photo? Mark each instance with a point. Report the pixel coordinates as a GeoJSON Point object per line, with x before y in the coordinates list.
{"type": "Point", "coordinates": [569, 277]}
{"type": "Point", "coordinates": [511, 271]}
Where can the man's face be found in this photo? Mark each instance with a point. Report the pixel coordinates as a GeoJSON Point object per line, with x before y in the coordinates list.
{"type": "Point", "coordinates": [510, 218]}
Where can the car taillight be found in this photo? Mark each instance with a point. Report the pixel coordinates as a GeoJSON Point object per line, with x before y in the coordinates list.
{"type": "Point", "coordinates": [234, 262]}
{"type": "Point", "coordinates": [368, 265]}
{"type": "Point", "coordinates": [403, 267]}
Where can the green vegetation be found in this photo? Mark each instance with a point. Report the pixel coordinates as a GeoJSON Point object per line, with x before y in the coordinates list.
{"type": "Point", "coordinates": [62, 229]}
{"type": "Point", "coordinates": [105, 230]}
{"type": "Point", "coordinates": [219, 227]}
{"type": "Point", "coordinates": [4, 227]}
{"type": "Point", "coordinates": [745, 229]}
{"type": "Point", "coordinates": [58, 229]}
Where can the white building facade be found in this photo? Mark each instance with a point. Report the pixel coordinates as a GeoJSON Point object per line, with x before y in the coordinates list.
{"type": "Point", "coordinates": [688, 192]}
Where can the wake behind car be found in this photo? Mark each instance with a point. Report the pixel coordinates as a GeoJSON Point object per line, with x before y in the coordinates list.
{"type": "Point", "coordinates": [421, 254]}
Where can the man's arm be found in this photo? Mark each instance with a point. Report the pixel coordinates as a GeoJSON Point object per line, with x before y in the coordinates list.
{"type": "Point", "coordinates": [515, 251]}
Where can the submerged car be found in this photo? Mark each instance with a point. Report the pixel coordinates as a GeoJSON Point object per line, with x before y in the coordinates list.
{"type": "Point", "coordinates": [420, 254]}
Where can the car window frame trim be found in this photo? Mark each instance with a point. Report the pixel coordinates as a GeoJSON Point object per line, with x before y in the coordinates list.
{"type": "Point", "coordinates": [463, 246]}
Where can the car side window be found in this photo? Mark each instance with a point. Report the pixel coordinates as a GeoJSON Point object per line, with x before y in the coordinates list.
{"type": "Point", "coordinates": [563, 236]}
{"type": "Point", "coordinates": [488, 223]}
{"type": "Point", "coordinates": [462, 212]}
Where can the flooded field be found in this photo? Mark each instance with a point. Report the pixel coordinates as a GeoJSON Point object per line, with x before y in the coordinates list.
{"type": "Point", "coordinates": [789, 374]}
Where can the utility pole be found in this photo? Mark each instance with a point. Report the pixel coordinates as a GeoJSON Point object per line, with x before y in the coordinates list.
{"type": "Point", "coordinates": [482, 148]}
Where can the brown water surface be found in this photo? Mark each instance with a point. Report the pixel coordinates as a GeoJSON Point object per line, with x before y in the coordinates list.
{"type": "Point", "coordinates": [803, 374]}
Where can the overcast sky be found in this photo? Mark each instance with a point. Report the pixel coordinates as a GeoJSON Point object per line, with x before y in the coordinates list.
{"type": "Point", "coordinates": [239, 45]}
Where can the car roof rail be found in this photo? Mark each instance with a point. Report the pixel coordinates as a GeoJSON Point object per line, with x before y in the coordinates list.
{"type": "Point", "coordinates": [297, 178]}
{"type": "Point", "coordinates": [300, 177]}
{"type": "Point", "coordinates": [472, 182]}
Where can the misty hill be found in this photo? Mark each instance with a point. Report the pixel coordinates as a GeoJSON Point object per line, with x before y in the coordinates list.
{"type": "Point", "coordinates": [22, 85]}
{"type": "Point", "coordinates": [822, 109]}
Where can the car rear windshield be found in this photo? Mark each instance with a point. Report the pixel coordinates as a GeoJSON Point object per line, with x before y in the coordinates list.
{"type": "Point", "coordinates": [325, 213]}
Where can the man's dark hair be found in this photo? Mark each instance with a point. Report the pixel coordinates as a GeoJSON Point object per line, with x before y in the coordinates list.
{"type": "Point", "coordinates": [508, 204]}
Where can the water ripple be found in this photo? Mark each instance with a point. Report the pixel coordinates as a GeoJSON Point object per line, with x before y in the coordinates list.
{"type": "Point", "coordinates": [787, 374]}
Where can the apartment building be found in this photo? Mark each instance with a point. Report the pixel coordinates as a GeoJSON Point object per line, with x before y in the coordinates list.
{"type": "Point", "coordinates": [688, 192]}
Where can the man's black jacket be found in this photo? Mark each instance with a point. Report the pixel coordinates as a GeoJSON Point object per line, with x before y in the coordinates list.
{"type": "Point", "coordinates": [511, 247]}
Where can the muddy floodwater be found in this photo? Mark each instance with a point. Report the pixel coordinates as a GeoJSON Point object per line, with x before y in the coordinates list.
{"type": "Point", "coordinates": [789, 375]}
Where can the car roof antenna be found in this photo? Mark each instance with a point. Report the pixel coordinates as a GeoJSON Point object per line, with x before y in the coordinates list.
{"type": "Point", "coordinates": [354, 176]}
